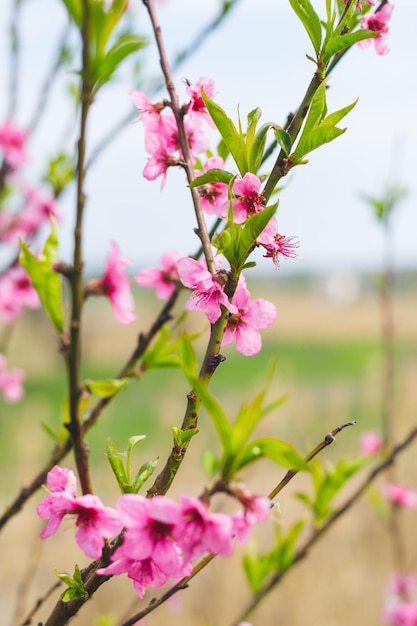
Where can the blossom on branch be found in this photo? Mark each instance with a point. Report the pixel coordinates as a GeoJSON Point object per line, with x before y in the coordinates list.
{"type": "Point", "coordinates": [94, 521]}
{"type": "Point", "coordinates": [214, 195]}
{"type": "Point", "coordinates": [208, 289]}
{"type": "Point", "coordinates": [116, 286]}
{"type": "Point", "coordinates": [248, 200]}
{"type": "Point", "coordinates": [377, 22]}
{"type": "Point", "coordinates": [245, 320]}
{"type": "Point", "coordinates": [162, 280]}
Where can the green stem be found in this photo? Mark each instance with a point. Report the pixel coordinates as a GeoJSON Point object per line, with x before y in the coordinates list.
{"type": "Point", "coordinates": [281, 166]}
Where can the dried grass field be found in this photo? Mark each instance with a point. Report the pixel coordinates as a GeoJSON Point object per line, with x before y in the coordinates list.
{"type": "Point", "coordinates": [328, 361]}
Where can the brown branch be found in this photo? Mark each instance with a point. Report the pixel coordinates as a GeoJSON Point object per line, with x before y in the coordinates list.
{"type": "Point", "coordinates": [317, 534]}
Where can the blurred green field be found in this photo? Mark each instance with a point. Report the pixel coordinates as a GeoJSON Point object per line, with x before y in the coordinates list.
{"type": "Point", "coordinates": [328, 363]}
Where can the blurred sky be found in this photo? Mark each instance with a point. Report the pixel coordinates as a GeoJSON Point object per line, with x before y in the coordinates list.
{"type": "Point", "coordinates": [256, 58]}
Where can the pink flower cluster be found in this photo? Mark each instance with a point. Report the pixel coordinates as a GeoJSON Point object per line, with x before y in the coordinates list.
{"type": "Point", "coordinates": [161, 130]}
{"type": "Point", "coordinates": [160, 537]}
{"type": "Point", "coordinates": [400, 609]}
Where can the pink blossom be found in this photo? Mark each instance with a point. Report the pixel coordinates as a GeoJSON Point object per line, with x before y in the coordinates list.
{"type": "Point", "coordinates": [279, 245]}
{"type": "Point", "coordinates": [401, 584]}
{"type": "Point", "coordinates": [401, 614]}
{"type": "Point", "coordinates": [196, 107]}
{"type": "Point", "coordinates": [214, 195]}
{"type": "Point", "coordinates": [39, 209]}
{"type": "Point", "coordinates": [400, 494]}
{"type": "Point", "coordinates": [245, 319]}
{"type": "Point", "coordinates": [248, 201]}
{"type": "Point", "coordinates": [256, 509]}
{"type": "Point", "coordinates": [144, 573]}
{"type": "Point", "coordinates": [150, 113]}
{"type": "Point", "coordinates": [94, 521]}
{"type": "Point", "coordinates": [12, 143]}
{"type": "Point", "coordinates": [371, 443]}
{"type": "Point", "coordinates": [377, 22]}
{"type": "Point", "coordinates": [116, 286]}
{"type": "Point", "coordinates": [149, 533]}
{"type": "Point", "coordinates": [11, 381]}
{"type": "Point", "coordinates": [200, 531]}
{"type": "Point", "coordinates": [208, 293]}
{"type": "Point", "coordinates": [16, 292]}
{"type": "Point", "coordinates": [163, 280]}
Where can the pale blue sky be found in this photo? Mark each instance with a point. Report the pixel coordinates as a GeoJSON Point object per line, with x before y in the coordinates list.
{"type": "Point", "coordinates": [257, 58]}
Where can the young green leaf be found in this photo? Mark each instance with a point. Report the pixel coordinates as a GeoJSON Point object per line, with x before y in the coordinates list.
{"type": "Point", "coordinates": [212, 176]}
{"type": "Point", "coordinates": [116, 464]}
{"type": "Point", "coordinates": [230, 135]}
{"type": "Point", "coordinates": [45, 279]}
{"type": "Point", "coordinates": [76, 589]}
{"type": "Point", "coordinates": [278, 451]}
{"type": "Point", "coordinates": [106, 388]}
{"type": "Point", "coordinates": [145, 471]}
{"type": "Point", "coordinates": [340, 42]}
{"type": "Point", "coordinates": [310, 21]}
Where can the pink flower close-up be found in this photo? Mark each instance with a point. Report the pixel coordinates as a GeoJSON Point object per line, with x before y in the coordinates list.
{"type": "Point", "coordinates": [208, 289]}
{"type": "Point", "coordinates": [162, 280]}
{"type": "Point", "coordinates": [199, 531]}
{"type": "Point", "coordinates": [377, 22]}
{"type": "Point", "coordinates": [400, 494]}
{"type": "Point", "coordinates": [256, 509]}
{"type": "Point", "coordinates": [214, 195]}
{"type": "Point", "coordinates": [149, 524]}
{"type": "Point", "coordinates": [246, 318]}
{"type": "Point", "coordinates": [11, 381]}
{"type": "Point", "coordinates": [116, 286]}
{"type": "Point", "coordinates": [12, 144]}
{"type": "Point", "coordinates": [278, 246]}
{"type": "Point", "coordinates": [144, 573]}
{"type": "Point", "coordinates": [94, 521]}
{"type": "Point", "coordinates": [248, 201]}
{"type": "Point", "coordinates": [196, 107]}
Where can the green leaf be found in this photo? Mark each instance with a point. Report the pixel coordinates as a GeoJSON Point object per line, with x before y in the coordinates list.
{"type": "Point", "coordinates": [75, 10]}
{"type": "Point", "coordinates": [257, 150]}
{"type": "Point", "coordinates": [76, 589]}
{"type": "Point", "coordinates": [341, 42]}
{"type": "Point", "coordinates": [310, 21]}
{"type": "Point", "coordinates": [116, 464]}
{"type": "Point", "coordinates": [319, 129]}
{"type": "Point", "coordinates": [187, 357]}
{"type": "Point", "coordinates": [108, 64]}
{"type": "Point", "coordinates": [145, 471]}
{"type": "Point", "coordinates": [183, 436]}
{"type": "Point", "coordinates": [106, 388]}
{"type": "Point", "coordinates": [253, 119]}
{"type": "Point", "coordinates": [45, 279]}
{"type": "Point", "coordinates": [215, 411]}
{"type": "Point", "coordinates": [162, 353]}
{"type": "Point", "coordinates": [232, 138]}
{"type": "Point", "coordinates": [278, 451]}
{"type": "Point", "coordinates": [212, 176]}
{"type": "Point", "coordinates": [283, 140]}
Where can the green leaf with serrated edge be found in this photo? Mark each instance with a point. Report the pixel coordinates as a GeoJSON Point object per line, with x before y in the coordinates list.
{"type": "Point", "coordinates": [337, 116]}
{"type": "Point", "coordinates": [257, 150]}
{"type": "Point", "coordinates": [310, 21]}
{"type": "Point", "coordinates": [212, 176]}
{"type": "Point", "coordinates": [283, 140]}
{"type": "Point", "coordinates": [278, 451]}
{"type": "Point", "coordinates": [106, 388]}
{"type": "Point", "coordinates": [341, 42]}
{"type": "Point", "coordinates": [145, 471]}
{"type": "Point", "coordinates": [44, 278]}
{"type": "Point", "coordinates": [75, 584]}
{"type": "Point", "coordinates": [318, 137]}
{"type": "Point", "coordinates": [116, 464]}
{"type": "Point", "coordinates": [230, 135]}
{"type": "Point", "coordinates": [215, 411]}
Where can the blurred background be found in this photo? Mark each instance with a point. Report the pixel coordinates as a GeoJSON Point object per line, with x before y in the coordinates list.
{"type": "Point", "coordinates": [326, 341]}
